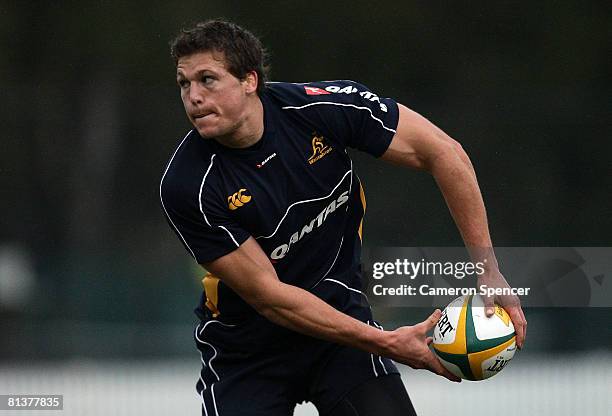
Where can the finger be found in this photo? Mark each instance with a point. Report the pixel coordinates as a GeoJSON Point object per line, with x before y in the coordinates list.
{"type": "Point", "coordinates": [428, 324]}
{"type": "Point", "coordinates": [429, 340]}
{"type": "Point", "coordinates": [489, 305]}
{"type": "Point", "coordinates": [524, 325]}
{"type": "Point", "coordinates": [518, 321]}
{"type": "Point", "coordinates": [436, 366]}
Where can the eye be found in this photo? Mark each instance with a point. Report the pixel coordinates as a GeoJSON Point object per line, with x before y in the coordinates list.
{"type": "Point", "coordinates": [207, 79]}
{"type": "Point", "coordinates": [183, 83]}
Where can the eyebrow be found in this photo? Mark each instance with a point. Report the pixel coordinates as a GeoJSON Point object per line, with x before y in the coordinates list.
{"type": "Point", "coordinates": [197, 74]}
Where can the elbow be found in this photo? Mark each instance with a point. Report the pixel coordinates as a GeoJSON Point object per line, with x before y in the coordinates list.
{"type": "Point", "coordinates": [263, 307]}
{"type": "Point", "coordinates": [268, 312]}
{"type": "Point", "coordinates": [449, 145]}
{"type": "Point", "coordinates": [261, 304]}
{"type": "Point", "coordinates": [456, 146]}
{"type": "Point", "coordinates": [271, 310]}
{"type": "Point", "coordinates": [447, 153]}
{"type": "Point", "coordinates": [265, 297]}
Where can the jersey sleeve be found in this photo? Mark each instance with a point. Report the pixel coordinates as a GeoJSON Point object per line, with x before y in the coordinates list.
{"type": "Point", "coordinates": [205, 229]}
{"type": "Point", "coordinates": [353, 114]}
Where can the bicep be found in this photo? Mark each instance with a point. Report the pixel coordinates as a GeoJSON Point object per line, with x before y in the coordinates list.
{"type": "Point", "coordinates": [417, 141]}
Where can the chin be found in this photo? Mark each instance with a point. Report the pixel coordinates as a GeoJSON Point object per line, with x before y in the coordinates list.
{"type": "Point", "coordinates": [211, 133]}
{"type": "Point", "coordinates": [203, 132]}
{"type": "Point", "coordinates": [207, 131]}
{"type": "Point", "coordinates": [214, 131]}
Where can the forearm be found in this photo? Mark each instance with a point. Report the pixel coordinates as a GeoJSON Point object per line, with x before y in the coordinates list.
{"type": "Point", "coordinates": [301, 311]}
{"type": "Point", "coordinates": [249, 273]}
{"type": "Point", "coordinates": [419, 144]}
{"type": "Point", "coordinates": [455, 176]}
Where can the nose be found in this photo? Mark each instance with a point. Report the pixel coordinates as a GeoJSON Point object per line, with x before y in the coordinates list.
{"type": "Point", "coordinates": [196, 96]}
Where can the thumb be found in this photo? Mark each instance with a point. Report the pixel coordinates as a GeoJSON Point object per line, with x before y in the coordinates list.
{"type": "Point", "coordinates": [433, 319]}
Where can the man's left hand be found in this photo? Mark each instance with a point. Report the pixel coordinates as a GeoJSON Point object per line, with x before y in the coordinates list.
{"type": "Point", "coordinates": [511, 303]}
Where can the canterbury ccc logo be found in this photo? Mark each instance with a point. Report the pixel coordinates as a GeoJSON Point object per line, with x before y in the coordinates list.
{"type": "Point", "coordinates": [238, 199]}
{"type": "Point", "coordinates": [319, 149]}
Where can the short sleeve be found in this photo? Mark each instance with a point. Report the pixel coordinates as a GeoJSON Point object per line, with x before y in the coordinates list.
{"type": "Point", "coordinates": [206, 232]}
{"type": "Point", "coordinates": [356, 116]}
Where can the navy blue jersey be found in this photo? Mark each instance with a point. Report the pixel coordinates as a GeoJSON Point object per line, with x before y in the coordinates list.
{"type": "Point", "coordinates": [295, 191]}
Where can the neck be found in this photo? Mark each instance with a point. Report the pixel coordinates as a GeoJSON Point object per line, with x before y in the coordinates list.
{"type": "Point", "coordinates": [249, 131]}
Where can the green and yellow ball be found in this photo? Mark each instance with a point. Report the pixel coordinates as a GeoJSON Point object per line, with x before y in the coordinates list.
{"type": "Point", "coordinates": [470, 344]}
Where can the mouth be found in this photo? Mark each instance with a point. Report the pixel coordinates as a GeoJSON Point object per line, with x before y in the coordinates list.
{"type": "Point", "coordinates": [199, 116]}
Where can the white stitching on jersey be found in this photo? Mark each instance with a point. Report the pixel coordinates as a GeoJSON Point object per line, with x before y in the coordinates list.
{"type": "Point", "coordinates": [342, 105]}
{"type": "Point", "coordinates": [212, 385]}
{"type": "Point", "coordinates": [214, 352]}
{"type": "Point", "coordinates": [230, 234]}
{"type": "Point", "coordinates": [212, 393]}
{"type": "Point", "coordinates": [341, 240]}
{"type": "Point", "coordinates": [162, 199]}
{"type": "Point", "coordinates": [203, 403]}
{"type": "Point", "coordinates": [347, 287]}
{"type": "Point", "coordinates": [303, 202]}
{"type": "Point", "coordinates": [215, 321]}
{"type": "Point", "coordinates": [203, 362]}
{"type": "Point", "coordinates": [373, 365]}
{"type": "Point", "coordinates": [212, 159]}
{"type": "Point", "coordinates": [332, 265]}
{"type": "Point", "coordinates": [379, 357]}
{"type": "Point", "coordinates": [311, 82]}
{"type": "Point", "coordinates": [210, 345]}
{"type": "Point", "coordinates": [351, 183]}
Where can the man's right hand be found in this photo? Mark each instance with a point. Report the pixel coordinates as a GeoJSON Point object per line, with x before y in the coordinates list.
{"type": "Point", "coordinates": [411, 347]}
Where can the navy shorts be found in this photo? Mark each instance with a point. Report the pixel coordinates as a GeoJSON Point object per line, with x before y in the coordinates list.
{"type": "Point", "coordinates": [270, 379]}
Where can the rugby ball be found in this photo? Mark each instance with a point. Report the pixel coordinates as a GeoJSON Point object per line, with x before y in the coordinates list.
{"type": "Point", "coordinates": [471, 345]}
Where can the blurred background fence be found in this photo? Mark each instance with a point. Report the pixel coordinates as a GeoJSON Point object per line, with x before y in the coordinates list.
{"type": "Point", "coordinates": [540, 384]}
{"type": "Point", "coordinates": [93, 282]}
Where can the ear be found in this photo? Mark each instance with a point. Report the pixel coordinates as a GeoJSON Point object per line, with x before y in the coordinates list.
{"type": "Point", "coordinates": [250, 82]}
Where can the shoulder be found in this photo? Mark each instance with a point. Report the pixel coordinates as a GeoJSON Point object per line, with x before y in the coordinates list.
{"type": "Point", "coordinates": [184, 169]}
{"type": "Point", "coordinates": [303, 93]}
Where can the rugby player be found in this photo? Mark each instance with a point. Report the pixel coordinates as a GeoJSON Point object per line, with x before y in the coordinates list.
{"type": "Point", "coordinates": [263, 194]}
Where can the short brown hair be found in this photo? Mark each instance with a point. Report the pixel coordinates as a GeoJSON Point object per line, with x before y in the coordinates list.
{"type": "Point", "coordinates": [243, 51]}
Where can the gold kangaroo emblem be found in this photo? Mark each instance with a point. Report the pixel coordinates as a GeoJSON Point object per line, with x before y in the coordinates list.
{"type": "Point", "coordinates": [319, 149]}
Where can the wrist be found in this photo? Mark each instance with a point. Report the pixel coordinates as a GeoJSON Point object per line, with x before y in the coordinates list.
{"type": "Point", "coordinates": [386, 344]}
{"type": "Point", "coordinates": [485, 256]}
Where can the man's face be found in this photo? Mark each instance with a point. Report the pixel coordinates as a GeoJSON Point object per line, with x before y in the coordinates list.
{"type": "Point", "coordinates": [215, 100]}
